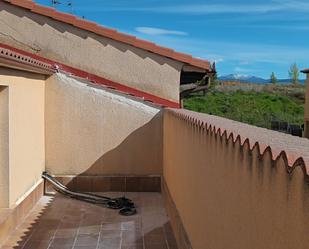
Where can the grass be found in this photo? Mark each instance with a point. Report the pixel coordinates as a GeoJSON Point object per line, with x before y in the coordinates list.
{"type": "Point", "coordinates": [256, 108]}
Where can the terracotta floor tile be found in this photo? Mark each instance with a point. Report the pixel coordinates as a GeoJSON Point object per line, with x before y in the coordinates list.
{"type": "Point", "coordinates": [62, 242]}
{"type": "Point", "coordinates": [63, 223]}
{"type": "Point", "coordinates": [140, 246]}
{"type": "Point", "coordinates": [37, 244]}
{"type": "Point", "coordinates": [110, 234]}
{"type": "Point", "coordinates": [87, 240]}
{"type": "Point", "coordinates": [111, 226]}
{"type": "Point", "coordinates": [110, 243]}
{"type": "Point", "coordinates": [66, 233]}
{"type": "Point", "coordinates": [89, 229]}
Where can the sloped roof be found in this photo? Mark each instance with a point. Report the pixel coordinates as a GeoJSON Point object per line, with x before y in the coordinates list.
{"type": "Point", "coordinates": [109, 33]}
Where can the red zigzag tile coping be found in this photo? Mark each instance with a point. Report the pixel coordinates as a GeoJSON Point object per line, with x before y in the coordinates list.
{"type": "Point", "coordinates": [109, 33]}
{"type": "Point", "coordinates": [293, 150]}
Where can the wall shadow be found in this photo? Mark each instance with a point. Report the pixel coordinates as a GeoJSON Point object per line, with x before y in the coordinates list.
{"type": "Point", "coordinates": [139, 154]}
{"type": "Point", "coordinates": [141, 151]}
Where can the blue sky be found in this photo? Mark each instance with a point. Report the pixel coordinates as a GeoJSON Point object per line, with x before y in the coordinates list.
{"type": "Point", "coordinates": [252, 37]}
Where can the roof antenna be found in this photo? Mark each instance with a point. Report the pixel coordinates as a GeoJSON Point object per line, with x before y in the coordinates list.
{"type": "Point", "coordinates": [55, 2]}
{"type": "Point", "coordinates": [70, 4]}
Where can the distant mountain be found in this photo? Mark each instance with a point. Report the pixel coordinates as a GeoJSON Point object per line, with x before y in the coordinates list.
{"type": "Point", "coordinates": [251, 79]}
{"type": "Point", "coordinates": [243, 78]}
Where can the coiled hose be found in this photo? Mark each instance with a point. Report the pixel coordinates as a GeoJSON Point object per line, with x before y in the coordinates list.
{"type": "Point", "coordinates": [125, 206]}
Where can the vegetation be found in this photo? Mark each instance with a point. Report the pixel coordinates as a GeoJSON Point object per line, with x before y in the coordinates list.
{"type": "Point", "coordinates": [273, 78]}
{"type": "Point", "coordinates": [214, 76]}
{"type": "Point", "coordinates": [271, 103]}
{"type": "Point", "coordinates": [294, 74]}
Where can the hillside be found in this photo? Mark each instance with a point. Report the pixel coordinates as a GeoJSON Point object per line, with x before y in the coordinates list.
{"type": "Point", "coordinates": [252, 107]}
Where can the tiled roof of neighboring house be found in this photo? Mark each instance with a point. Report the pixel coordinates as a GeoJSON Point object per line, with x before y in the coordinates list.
{"type": "Point", "coordinates": [294, 150]}
{"type": "Point", "coordinates": [110, 33]}
{"type": "Point", "coordinates": [305, 70]}
{"type": "Point", "coordinates": [17, 58]}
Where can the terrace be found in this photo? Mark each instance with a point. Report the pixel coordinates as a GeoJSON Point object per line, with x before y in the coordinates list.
{"type": "Point", "coordinates": [198, 181]}
{"type": "Point", "coordinates": [59, 222]}
{"type": "Point", "coordinates": [223, 184]}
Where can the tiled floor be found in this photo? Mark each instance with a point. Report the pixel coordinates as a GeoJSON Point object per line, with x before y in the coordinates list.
{"type": "Point", "coordinates": [63, 223]}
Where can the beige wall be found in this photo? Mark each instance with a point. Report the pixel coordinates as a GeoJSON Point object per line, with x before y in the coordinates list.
{"type": "Point", "coordinates": [307, 109]}
{"type": "Point", "coordinates": [98, 55]}
{"type": "Point", "coordinates": [93, 131]}
{"type": "Point", "coordinates": [229, 197]}
{"type": "Point", "coordinates": [26, 130]}
{"type": "Point", "coordinates": [4, 146]}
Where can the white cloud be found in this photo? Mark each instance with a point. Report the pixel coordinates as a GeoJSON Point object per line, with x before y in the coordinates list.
{"type": "Point", "coordinates": [221, 8]}
{"type": "Point", "coordinates": [242, 70]}
{"type": "Point", "coordinates": [158, 31]}
{"type": "Point", "coordinates": [217, 58]}
{"type": "Point", "coordinates": [244, 63]}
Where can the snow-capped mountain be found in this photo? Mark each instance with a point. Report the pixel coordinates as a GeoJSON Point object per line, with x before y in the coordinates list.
{"type": "Point", "coordinates": [243, 78]}
{"type": "Point", "coordinates": [252, 79]}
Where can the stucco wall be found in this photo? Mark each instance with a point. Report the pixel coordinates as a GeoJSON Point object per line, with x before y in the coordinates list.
{"type": "Point", "coordinates": [230, 197]}
{"type": "Point", "coordinates": [92, 131]}
{"type": "Point", "coordinates": [4, 146]}
{"type": "Point", "coordinates": [98, 55]}
{"type": "Point", "coordinates": [26, 130]}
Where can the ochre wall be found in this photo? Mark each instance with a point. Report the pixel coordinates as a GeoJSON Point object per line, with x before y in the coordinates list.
{"type": "Point", "coordinates": [92, 131]}
{"type": "Point", "coordinates": [307, 109]}
{"type": "Point", "coordinates": [230, 197]}
{"type": "Point", "coordinates": [4, 146]}
{"type": "Point", "coordinates": [26, 130]}
{"type": "Point", "coordinates": [98, 55]}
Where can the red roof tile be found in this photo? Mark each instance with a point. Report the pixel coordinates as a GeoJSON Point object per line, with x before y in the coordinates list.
{"type": "Point", "coordinates": [110, 33]}
{"type": "Point", "coordinates": [294, 150]}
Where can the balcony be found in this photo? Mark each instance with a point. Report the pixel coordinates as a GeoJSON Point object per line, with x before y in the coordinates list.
{"type": "Point", "coordinates": [60, 222]}
{"type": "Point", "coordinates": [224, 184]}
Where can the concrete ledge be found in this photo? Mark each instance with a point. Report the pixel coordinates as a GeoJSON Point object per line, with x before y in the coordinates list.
{"type": "Point", "coordinates": [10, 218]}
{"type": "Point", "coordinates": [180, 233]}
{"type": "Point", "coordinates": [110, 183]}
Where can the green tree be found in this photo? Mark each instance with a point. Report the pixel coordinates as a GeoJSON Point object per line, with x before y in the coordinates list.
{"type": "Point", "coordinates": [273, 78]}
{"type": "Point", "coordinates": [294, 74]}
{"type": "Point", "coordinates": [213, 76]}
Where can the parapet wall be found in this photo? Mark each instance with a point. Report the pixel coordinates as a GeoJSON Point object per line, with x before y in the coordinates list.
{"type": "Point", "coordinates": [235, 186]}
{"type": "Point", "coordinates": [93, 131]}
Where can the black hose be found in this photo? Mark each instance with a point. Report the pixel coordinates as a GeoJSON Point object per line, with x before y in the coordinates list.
{"type": "Point", "coordinates": [125, 205]}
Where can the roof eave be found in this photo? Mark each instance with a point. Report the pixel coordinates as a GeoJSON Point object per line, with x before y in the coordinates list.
{"type": "Point", "coordinates": [15, 60]}
{"type": "Point", "coordinates": [306, 71]}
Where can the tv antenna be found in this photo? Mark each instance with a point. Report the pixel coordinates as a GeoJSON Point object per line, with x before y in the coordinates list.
{"type": "Point", "coordinates": [69, 4]}
{"type": "Point", "coordinates": [55, 2]}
